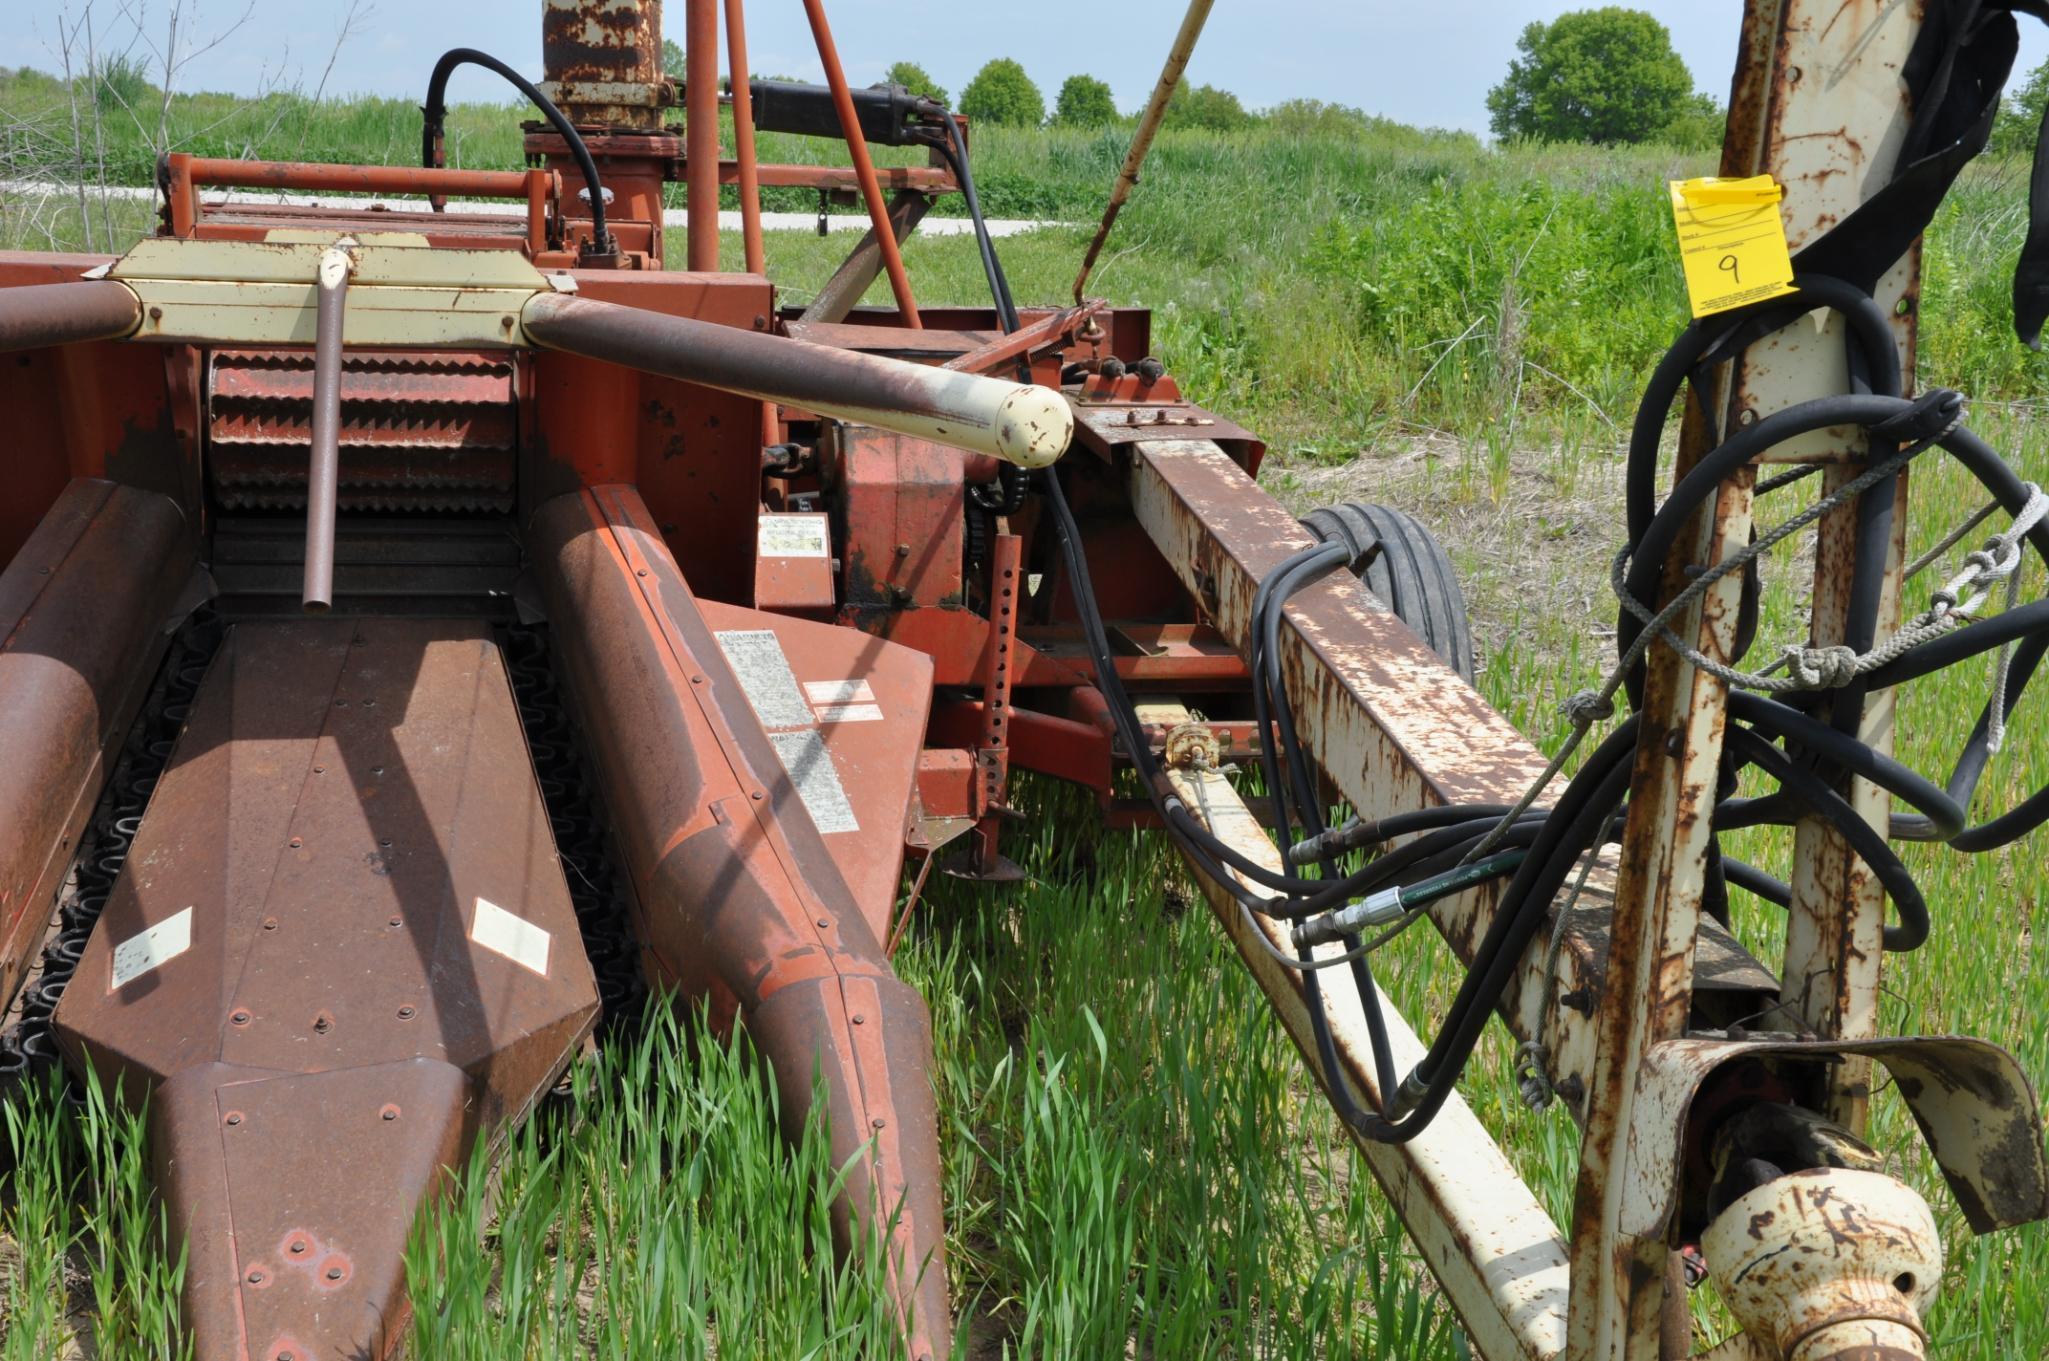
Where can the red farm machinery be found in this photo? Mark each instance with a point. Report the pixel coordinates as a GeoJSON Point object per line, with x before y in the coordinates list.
{"type": "Point", "coordinates": [381, 582]}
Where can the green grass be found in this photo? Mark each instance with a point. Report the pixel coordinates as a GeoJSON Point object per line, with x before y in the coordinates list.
{"type": "Point", "coordinates": [87, 1247]}
{"type": "Point", "coordinates": [1133, 1157]}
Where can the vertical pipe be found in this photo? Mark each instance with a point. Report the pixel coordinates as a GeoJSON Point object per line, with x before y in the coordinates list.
{"type": "Point", "coordinates": [743, 134]}
{"type": "Point", "coordinates": [323, 469]}
{"type": "Point", "coordinates": [701, 132]}
{"type": "Point", "coordinates": [864, 168]}
{"type": "Point", "coordinates": [1148, 125]}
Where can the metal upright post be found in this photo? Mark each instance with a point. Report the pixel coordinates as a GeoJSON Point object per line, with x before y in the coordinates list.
{"type": "Point", "coordinates": [1784, 122]}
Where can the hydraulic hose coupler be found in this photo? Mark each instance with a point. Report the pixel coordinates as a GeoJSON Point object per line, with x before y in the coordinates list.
{"type": "Point", "coordinates": [1376, 909]}
{"type": "Point", "coordinates": [1334, 842]}
{"type": "Point", "coordinates": [1406, 1097]}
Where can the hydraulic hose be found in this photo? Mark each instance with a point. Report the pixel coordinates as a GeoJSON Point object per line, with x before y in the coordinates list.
{"type": "Point", "coordinates": [435, 117]}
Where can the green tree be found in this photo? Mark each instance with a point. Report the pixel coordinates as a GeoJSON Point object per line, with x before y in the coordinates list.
{"type": "Point", "coordinates": [2020, 115]}
{"type": "Point", "coordinates": [913, 77]}
{"type": "Point", "coordinates": [1699, 125]}
{"type": "Point", "coordinates": [1084, 102]}
{"type": "Point", "coordinates": [672, 59]}
{"type": "Point", "coordinates": [1594, 75]}
{"type": "Point", "coordinates": [1002, 94]}
{"type": "Point", "coordinates": [1208, 108]}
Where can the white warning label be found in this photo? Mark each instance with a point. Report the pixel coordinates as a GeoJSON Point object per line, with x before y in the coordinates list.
{"type": "Point", "coordinates": [152, 946]}
{"type": "Point", "coordinates": [849, 713]}
{"type": "Point", "coordinates": [838, 692]}
{"type": "Point", "coordinates": [764, 671]}
{"type": "Point", "coordinates": [513, 936]}
{"type": "Point", "coordinates": [817, 780]}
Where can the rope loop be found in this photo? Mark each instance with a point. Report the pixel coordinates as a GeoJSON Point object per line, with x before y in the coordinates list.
{"type": "Point", "coordinates": [1530, 1059]}
{"type": "Point", "coordinates": [1588, 707]}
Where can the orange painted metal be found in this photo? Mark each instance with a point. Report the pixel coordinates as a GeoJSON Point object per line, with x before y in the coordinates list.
{"type": "Point", "coordinates": [694, 453]}
{"type": "Point", "coordinates": [100, 409]}
{"type": "Point", "coordinates": [701, 131]}
{"type": "Point", "coordinates": [864, 167]}
{"type": "Point", "coordinates": [846, 179]}
{"type": "Point", "coordinates": [992, 749]}
{"type": "Point", "coordinates": [186, 175]}
{"type": "Point", "coordinates": [743, 137]}
{"type": "Point", "coordinates": [795, 577]}
{"type": "Point", "coordinates": [635, 166]}
{"type": "Point", "coordinates": [736, 856]}
{"type": "Point", "coordinates": [81, 611]}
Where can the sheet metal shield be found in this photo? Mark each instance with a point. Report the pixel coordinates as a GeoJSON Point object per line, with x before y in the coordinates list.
{"type": "Point", "coordinates": [343, 793]}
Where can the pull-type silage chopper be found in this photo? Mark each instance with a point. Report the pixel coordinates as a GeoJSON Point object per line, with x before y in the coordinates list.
{"type": "Point", "coordinates": [418, 622]}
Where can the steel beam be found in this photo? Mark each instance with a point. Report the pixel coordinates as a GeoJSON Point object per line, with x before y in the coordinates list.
{"type": "Point", "coordinates": [1395, 728]}
{"type": "Point", "coordinates": [1797, 131]}
{"type": "Point", "coordinates": [1801, 130]}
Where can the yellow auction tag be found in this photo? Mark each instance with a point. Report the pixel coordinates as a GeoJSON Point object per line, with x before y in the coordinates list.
{"type": "Point", "coordinates": [1731, 241]}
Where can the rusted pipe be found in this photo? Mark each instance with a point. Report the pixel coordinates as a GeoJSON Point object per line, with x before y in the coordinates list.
{"type": "Point", "coordinates": [35, 315]}
{"type": "Point", "coordinates": [743, 135]}
{"type": "Point", "coordinates": [1148, 127]}
{"type": "Point", "coordinates": [701, 133]}
{"type": "Point", "coordinates": [323, 471]}
{"type": "Point", "coordinates": [1021, 423]}
{"type": "Point", "coordinates": [200, 172]}
{"type": "Point", "coordinates": [864, 168]}
{"type": "Point", "coordinates": [603, 62]}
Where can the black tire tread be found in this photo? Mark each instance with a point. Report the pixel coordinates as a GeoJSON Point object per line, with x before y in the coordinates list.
{"type": "Point", "coordinates": [1413, 576]}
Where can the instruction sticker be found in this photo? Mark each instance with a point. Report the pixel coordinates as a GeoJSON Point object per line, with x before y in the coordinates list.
{"type": "Point", "coordinates": [763, 668]}
{"type": "Point", "coordinates": [792, 536]}
{"type": "Point", "coordinates": [1732, 241]}
{"type": "Point", "coordinates": [822, 693]}
{"type": "Point", "coordinates": [513, 936]}
{"type": "Point", "coordinates": [152, 946]}
{"type": "Point", "coordinates": [849, 713]}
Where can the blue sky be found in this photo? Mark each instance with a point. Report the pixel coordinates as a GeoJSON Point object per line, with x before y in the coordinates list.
{"type": "Point", "coordinates": [1419, 61]}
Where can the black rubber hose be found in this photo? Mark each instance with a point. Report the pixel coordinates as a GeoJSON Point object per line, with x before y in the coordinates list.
{"type": "Point", "coordinates": [1582, 813]}
{"type": "Point", "coordinates": [1847, 753]}
{"type": "Point", "coordinates": [1751, 879]}
{"type": "Point", "coordinates": [1867, 844]}
{"type": "Point", "coordinates": [956, 153]}
{"type": "Point", "coordinates": [435, 112]}
{"type": "Point", "coordinates": [1650, 550]}
{"type": "Point", "coordinates": [1698, 343]}
{"type": "Point", "coordinates": [1269, 609]}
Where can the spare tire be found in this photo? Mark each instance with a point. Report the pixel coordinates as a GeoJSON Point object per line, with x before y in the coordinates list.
{"type": "Point", "coordinates": [1410, 574]}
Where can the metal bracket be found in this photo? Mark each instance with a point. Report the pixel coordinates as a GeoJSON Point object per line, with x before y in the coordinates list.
{"type": "Point", "coordinates": [1971, 1098]}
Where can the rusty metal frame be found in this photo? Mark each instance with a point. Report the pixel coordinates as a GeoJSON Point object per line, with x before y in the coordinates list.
{"type": "Point", "coordinates": [1394, 729]}
{"type": "Point", "coordinates": [1831, 143]}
